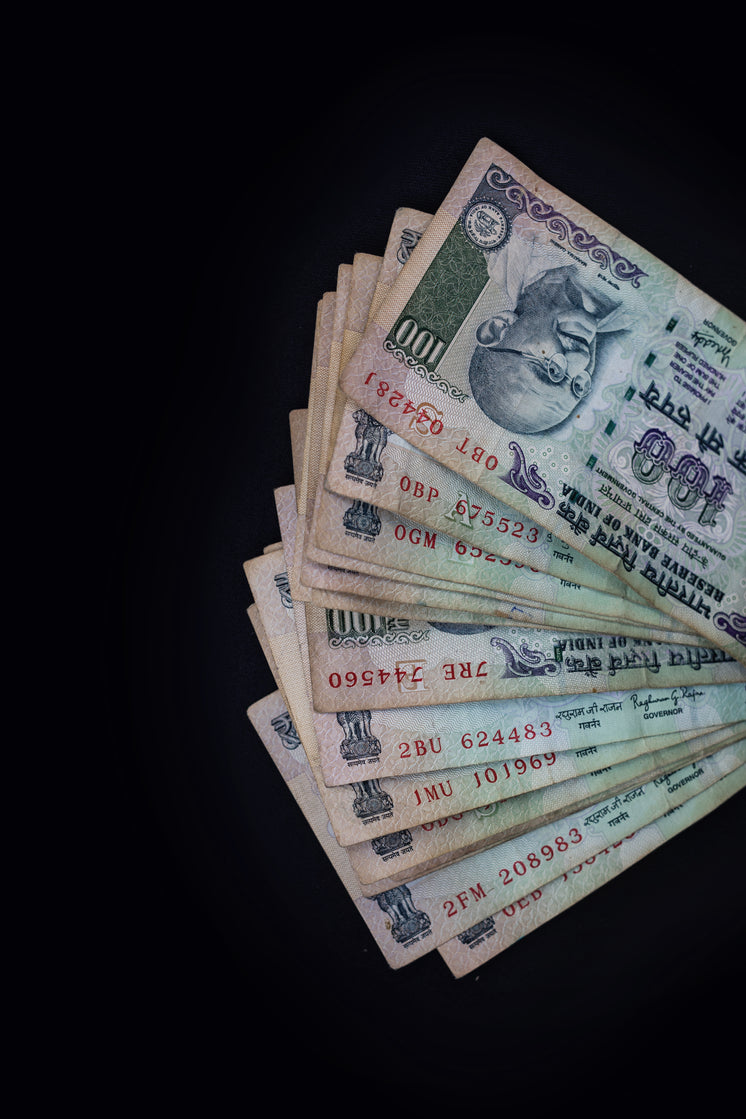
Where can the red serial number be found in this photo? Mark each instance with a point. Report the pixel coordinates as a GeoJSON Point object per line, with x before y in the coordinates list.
{"type": "Point", "coordinates": [414, 675]}
{"type": "Point", "coordinates": [453, 906]}
{"type": "Point", "coordinates": [518, 766]}
{"type": "Point", "coordinates": [475, 551]}
{"type": "Point", "coordinates": [408, 407]}
{"type": "Point", "coordinates": [464, 509]}
{"type": "Point", "coordinates": [351, 679]}
{"type": "Point", "coordinates": [547, 852]}
{"type": "Point", "coordinates": [514, 735]}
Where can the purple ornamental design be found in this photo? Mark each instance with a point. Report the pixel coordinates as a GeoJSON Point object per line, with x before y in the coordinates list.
{"type": "Point", "coordinates": [526, 479]}
{"type": "Point", "coordinates": [524, 661]}
{"type": "Point", "coordinates": [733, 624]}
{"type": "Point", "coordinates": [563, 228]}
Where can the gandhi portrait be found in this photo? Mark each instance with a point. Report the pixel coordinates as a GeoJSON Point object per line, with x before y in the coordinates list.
{"type": "Point", "coordinates": [533, 365]}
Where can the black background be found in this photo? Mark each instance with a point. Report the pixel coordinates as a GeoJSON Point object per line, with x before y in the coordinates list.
{"type": "Point", "coordinates": [239, 169]}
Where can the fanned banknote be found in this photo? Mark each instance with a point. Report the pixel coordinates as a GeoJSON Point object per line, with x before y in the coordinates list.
{"type": "Point", "coordinates": [375, 807]}
{"type": "Point", "coordinates": [430, 851]}
{"type": "Point", "coordinates": [359, 660]}
{"type": "Point", "coordinates": [504, 610]}
{"type": "Point", "coordinates": [434, 908]}
{"type": "Point", "coordinates": [578, 379]}
{"type": "Point", "coordinates": [369, 539]}
{"type": "Point", "coordinates": [382, 743]}
{"type": "Point", "coordinates": [281, 740]}
{"type": "Point", "coordinates": [410, 919]}
{"type": "Point", "coordinates": [374, 590]}
{"type": "Point", "coordinates": [459, 833]}
{"type": "Point", "coordinates": [485, 940]}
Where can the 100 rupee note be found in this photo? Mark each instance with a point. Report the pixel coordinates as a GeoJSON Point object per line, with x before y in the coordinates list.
{"type": "Point", "coordinates": [364, 466]}
{"type": "Point", "coordinates": [384, 743]}
{"type": "Point", "coordinates": [361, 661]}
{"type": "Point", "coordinates": [345, 589]}
{"type": "Point", "coordinates": [578, 379]}
{"type": "Point", "coordinates": [435, 908]}
{"type": "Point", "coordinates": [270, 720]}
{"type": "Point", "coordinates": [372, 808]}
{"type": "Point", "coordinates": [425, 821]}
{"type": "Point", "coordinates": [493, 935]}
{"type": "Point", "coordinates": [394, 543]}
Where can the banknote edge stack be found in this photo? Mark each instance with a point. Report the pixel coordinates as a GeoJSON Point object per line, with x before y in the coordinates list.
{"type": "Point", "coordinates": [682, 786]}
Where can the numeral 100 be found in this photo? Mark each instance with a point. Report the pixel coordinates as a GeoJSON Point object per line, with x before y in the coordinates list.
{"type": "Point", "coordinates": [422, 344]}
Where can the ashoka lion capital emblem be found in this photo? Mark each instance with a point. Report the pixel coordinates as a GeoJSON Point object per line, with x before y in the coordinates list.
{"type": "Point", "coordinates": [407, 923]}
{"type": "Point", "coordinates": [370, 799]}
{"type": "Point", "coordinates": [362, 518]}
{"type": "Point", "coordinates": [371, 438]}
{"type": "Point", "coordinates": [358, 741]}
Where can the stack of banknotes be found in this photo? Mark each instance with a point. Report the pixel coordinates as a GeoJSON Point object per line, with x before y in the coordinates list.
{"type": "Point", "coordinates": [505, 606]}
